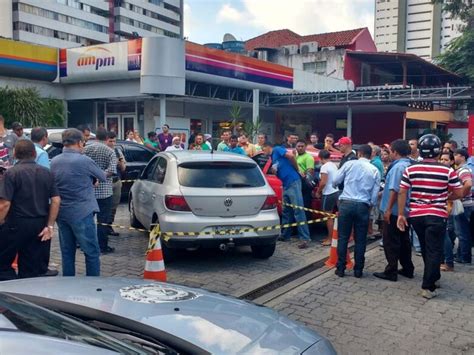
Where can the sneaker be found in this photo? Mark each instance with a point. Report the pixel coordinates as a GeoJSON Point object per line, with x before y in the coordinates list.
{"type": "Point", "coordinates": [339, 273]}
{"type": "Point", "coordinates": [418, 253]}
{"type": "Point", "coordinates": [358, 273]}
{"type": "Point", "coordinates": [446, 267]}
{"type": "Point", "coordinates": [428, 294]}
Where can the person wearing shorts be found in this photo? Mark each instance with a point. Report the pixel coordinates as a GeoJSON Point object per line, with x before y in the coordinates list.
{"type": "Point", "coordinates": [328, 194]}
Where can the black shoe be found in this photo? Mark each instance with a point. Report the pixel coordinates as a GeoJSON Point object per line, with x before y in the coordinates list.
{"type": "Point", "coordinates": [107, 250]}
{"type": "Point", "coordinates": [339, 272]}
{"type": "Point", "coordinates": [114, 233]}
{"type": "Point", "coordinates": [384, 276]}
{"type": "Point", "coordinates": [282, 239]}
{"type": "Point", "coordinates": [50, 272]}
{"type": "Point", "coordinates": [358, 273]}
{"type": "Point", "coordinates": [405, 273]}
{"type": "Point", "coordinates": [459, 261]}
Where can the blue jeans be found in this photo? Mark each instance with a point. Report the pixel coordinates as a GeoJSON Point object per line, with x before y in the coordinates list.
{"type": "Point", "coordinates": [415, 241]}
{"type": "Point", "coordinates": [462, 228]}
{"type": "Point", "coordinates": [83, 232]}
{"type": "Point", "coordinates": [449, 243]}
{"type": "Point", "coordinates": [352, 215]}
{"type": "Point", "coordinates": [292, 195]}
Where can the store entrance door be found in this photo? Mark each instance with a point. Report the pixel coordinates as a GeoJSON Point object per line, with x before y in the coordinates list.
{"type": "Point", "coordinates": [121, 124]}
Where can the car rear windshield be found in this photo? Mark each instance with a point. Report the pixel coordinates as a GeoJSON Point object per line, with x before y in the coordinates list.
{"type": "Point", "coordinates": [220, 175]}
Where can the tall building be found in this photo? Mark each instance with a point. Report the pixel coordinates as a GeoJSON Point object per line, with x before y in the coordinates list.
{"type": "Point", "coordinates": [73, 23]}
{"type": "Point", "coordinates": [413, 26]}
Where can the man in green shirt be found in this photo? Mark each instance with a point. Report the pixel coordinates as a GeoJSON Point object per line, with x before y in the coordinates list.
{"type": "Point", "coordinates": [151, 142]}
{"type": "Point", "coordinates": [199, 143]}
{"type": "Point", "coordinates": [305, 163]}
{"type": "Point", "coordinates": [225, 140]}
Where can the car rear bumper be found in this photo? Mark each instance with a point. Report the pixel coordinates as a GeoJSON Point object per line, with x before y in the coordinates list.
{"type": "Point", "coordinates": [194, 242]}
{"type": "Point", "coordinates": [207, 226]}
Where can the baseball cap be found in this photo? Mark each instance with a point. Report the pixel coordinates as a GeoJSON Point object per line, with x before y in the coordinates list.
{"type": "Point", "coordinates": [207, 136]}
{"type": "Point", "coordinates": [344, 140]}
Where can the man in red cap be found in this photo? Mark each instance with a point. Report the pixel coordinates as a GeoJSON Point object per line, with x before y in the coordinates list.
{"type": "Point", "coordinates": [345, 146]}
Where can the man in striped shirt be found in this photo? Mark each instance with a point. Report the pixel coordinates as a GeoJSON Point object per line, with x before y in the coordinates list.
{"type": "Point", "coordinates": [461, 221]}
{"type": "Point", "coordinates": [431, 185]}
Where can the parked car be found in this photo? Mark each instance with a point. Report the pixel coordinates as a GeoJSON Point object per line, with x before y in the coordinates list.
{"type": "Point", "coordinates": [97, 315]}
{"type": "Point", "coordinates": [200, 191]}
{"type": "Point", "coordinates": [136, 155]}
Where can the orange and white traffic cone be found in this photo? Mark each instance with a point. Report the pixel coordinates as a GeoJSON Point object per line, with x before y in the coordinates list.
{"type": "Point", "coordinates": [154, 264]}
{"type": "Point", "coordinates": [332, 260]}
{"type": "Point", "coordinates": [15, 263]}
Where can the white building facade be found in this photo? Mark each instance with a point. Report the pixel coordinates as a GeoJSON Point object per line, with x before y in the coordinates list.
{"type": "Point", "coordinates": [75, 23]}
{"type": "Point", "coordinates": [413, 26]}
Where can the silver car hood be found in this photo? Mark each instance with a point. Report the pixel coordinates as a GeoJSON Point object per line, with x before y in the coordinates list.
{"type": "Point", "coordinates": [213, 322]}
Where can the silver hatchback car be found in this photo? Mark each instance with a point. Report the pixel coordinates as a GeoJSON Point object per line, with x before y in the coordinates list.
{"type": "Point", "coordinates": [214, 193]}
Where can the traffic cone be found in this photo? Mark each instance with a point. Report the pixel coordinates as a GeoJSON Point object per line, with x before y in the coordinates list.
{"type": "Point", "coordinates": [15, 263]}
{"type": "Point", "coordinates": [154, 264]}
{"type": "Point", "coordinates": [332, 260]}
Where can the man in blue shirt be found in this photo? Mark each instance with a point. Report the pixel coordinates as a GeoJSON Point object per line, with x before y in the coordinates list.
{"type": "Point", "coordinates": [76, 175]}
{"type": "Point", "coordinates": [39, 136]}
{"type": "Point", "coordinates": [361, 186]}
{"type": "Point", "coordinates": [396, 243]}
{"type": "Point", "coordinates": [286, 168]}
{"type": "Point", "coordinates": [233, 147]}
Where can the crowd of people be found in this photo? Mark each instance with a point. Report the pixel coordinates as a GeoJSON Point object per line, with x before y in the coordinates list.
{"type": "Point", "coordinates": [419, 189]}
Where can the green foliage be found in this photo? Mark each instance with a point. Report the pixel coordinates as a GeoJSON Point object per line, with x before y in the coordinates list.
{"type": "Point", "coordinates": [252, 129]}
{"type": "Point", "coordinates": [459, 56]}
{"type": "Point", "coordinates": [460, 9]}
{"type": "Point", "coordinates": [27, 107]}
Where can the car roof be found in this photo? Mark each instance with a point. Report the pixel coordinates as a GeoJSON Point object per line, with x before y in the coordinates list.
{"type": "Point", "coordinates": [184, 156]}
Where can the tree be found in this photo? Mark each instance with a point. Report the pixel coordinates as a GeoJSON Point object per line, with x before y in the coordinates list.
{"type": "Point", "coordinates": [461, 9]}
{"type": "Point", "coordinates": [25, 105]}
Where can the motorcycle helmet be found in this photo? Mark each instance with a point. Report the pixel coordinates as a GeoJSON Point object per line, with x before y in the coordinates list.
{"type": "Point", "coordinates": [429, 146]}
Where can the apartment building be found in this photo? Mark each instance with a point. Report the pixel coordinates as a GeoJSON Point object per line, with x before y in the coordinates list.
{"type": "Point", "coordinates": [74, 23]}
{"type": "Point", "coordinates": [413, 26]}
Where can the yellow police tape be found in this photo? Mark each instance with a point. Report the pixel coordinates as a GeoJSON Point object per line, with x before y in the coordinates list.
{"type": "Point", "coordinates": [323, 213]}
{"type": "Point", "coordinates": [155, 232]}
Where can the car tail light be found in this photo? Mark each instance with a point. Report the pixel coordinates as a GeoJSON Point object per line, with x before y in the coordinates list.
{"type": "Point", "coordinates": [176, 203]}
{"type": "Point", "coordinates": [270, 202]}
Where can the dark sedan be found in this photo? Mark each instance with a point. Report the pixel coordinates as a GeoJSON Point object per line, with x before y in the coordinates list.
{"type": "Point", "coordinates": [136, 155]}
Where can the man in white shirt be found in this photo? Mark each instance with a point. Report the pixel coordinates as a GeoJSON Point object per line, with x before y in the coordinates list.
{"type": "Point", "coordinates": [176, 145]}
{"type": "Point", "coordinates": [326, 191]}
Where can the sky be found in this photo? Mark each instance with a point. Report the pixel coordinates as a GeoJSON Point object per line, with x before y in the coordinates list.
{"type": "Point", "coordinates": [208, 20]}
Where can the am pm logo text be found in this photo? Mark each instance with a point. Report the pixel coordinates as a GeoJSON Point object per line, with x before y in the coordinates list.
{"type": "Point", "coordinates": [97, 57]}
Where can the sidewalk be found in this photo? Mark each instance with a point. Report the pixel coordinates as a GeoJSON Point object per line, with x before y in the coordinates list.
{"type": "Point", "coordinates": [373, 316]}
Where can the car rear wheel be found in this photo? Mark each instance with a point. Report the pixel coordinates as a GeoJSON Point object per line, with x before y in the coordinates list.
{"type": "Point", "coordinates": [263, 251]}
{"type": "Point", "coordinates": [169, 254]}
{"type": "Point", "coordinates": [134, 222]}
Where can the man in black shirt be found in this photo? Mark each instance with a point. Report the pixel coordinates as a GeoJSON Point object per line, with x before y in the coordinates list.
{"type": "Point", "coordinates": [29, 204]}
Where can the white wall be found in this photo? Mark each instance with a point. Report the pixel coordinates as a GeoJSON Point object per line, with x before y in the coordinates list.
{"type": "Point", "coordinates": [6, 26]}
{"type": "Point", "coordinates": [45, 89]}
{"type": "Point", "coordinates": [334, 61]}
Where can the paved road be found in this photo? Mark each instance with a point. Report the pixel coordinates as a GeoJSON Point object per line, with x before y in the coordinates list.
{"type": "Point", "coordinates": [372, 316]}
{"type": "Point", "coordinates": [231, 273]}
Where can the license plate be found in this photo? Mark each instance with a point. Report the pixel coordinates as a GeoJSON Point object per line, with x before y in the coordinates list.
{"type": "Point", "coordinates": [228, 230]}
